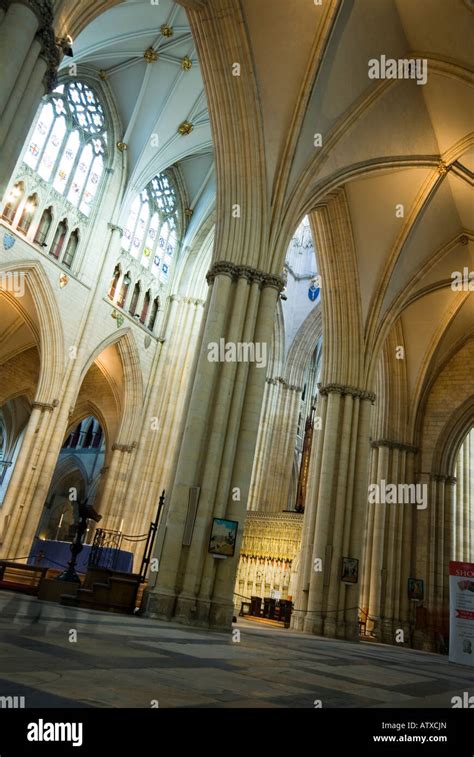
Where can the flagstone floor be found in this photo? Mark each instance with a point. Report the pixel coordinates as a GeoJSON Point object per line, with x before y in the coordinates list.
{"type": "Point", "coordinates": [122, 661]}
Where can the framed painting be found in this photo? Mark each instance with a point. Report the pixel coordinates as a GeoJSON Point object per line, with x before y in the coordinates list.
{"type": "Point", "coordinates": [350, 570]}
{"type": "Point", "coordinates": [223, 537]}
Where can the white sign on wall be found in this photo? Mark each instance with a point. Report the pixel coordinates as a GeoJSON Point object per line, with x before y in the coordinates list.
{"type": "Point", "coordinates": [461, 613]}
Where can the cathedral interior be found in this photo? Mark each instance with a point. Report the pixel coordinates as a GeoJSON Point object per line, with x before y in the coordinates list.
{"type": "Point", "coordinates": [237, 313]}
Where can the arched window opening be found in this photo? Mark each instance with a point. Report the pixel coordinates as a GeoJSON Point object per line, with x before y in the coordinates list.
{"type": "Point", "coordinates": [114, 282]}
{"type": "Point", "coordinates": [135, 298]}
{"type": "Point", "coordinates": [462, 513]}
{"type": "Point", "coordinates": [154, 313]}
{"type": "Point", "coordinates": [13, 202]}
{"type": "Point", "coordinates": [151, 231]}
{"type": "Point", "coordinates": [59, 239]}
{"type": "Point", "coordinates": [44, 226]}
{"type": "Point", "coordinates": [75, 436]}
{"type": "Point", "coordinates": [69, 144]}
{"type": "Point", "coordinates": [79, 468]}
{"type": "Point", "coordinates": [146, 305]}
{"type": "Point", "coordinates": [71, 248]}
{"type": "Point", "coordinates": [28, 212]}
{"type": "Point", "coordinates": [97, 438]}
{"type": "Point", "coordinates": [88, 437]}
{"type": "Point", "coordinates": [124, 290]}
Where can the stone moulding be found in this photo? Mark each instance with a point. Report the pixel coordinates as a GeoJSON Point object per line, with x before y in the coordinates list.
{"type": "Point", "coordinates": [394, 445]}
{"type": "Point", "coordinates": [362, 394]}
{"type": "Point", "coordinates": [225, 268]}
{"type": "Point", "coordinates": [46, 405]}
{"type": "Point", "coordinates": [441, 477]}
{"type": "Point", "coordinates": [125, 447]}
{"type": "Point", "coordinates": [280, 380]}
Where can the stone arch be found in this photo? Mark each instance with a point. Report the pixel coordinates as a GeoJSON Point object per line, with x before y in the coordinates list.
{"type": "Point", "coordinates": [81, 411]}
{"type": "Point", "coordinates": [451, 438]}
{"type": "Point", "coordinates": [304, 344]}
{"type": "Point", "coordinates": [133, 379]}
{"type": "Point", "coordinates": [47, 331]}
{"type": "Point", "coordinates": [66, 466]}
{"type": "Point", "coordinates": [190, 277]}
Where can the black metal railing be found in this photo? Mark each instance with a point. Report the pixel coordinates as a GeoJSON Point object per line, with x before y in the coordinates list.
{"type": "Point", "coordinates": [105, 549]}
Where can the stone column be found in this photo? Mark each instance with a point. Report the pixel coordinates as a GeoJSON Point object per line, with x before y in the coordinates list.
{"type": "Point", "coordinates": [19, 473]}
{"type": "Point", "coordinates": [377, 550]}
{"type": "Point", "coordinates": [164, 410]}
{"type": "Point", "coordinates": [459, 525]}
{"type": "Point", "coordinates": [23, 520]}
{"type": "Point", "coordinates": [309, 521]}
{"type": "Point", "coordinates": [264, 443]}
{"type": "Point", "coordinates": [449, 531]}
{"type": "Point", "coordinates": [466, 520]}
{"type": "Point", "coordinates": [369, 535]}
{"type": "Point", "coordinates": [275, 479]}
{"type": "Point", "coordinates": [20, 90]}
{"type": "Point", "coordinates": [341, 494]}
{"type": "Point", "coordinates": [112, 500]}
{"type": "Point", "coordinates": [17, 30]}
{"type": "Point", "coordinates": [29, 58]}
{"type": "Point", "coordinates": [217, 450]}
{"type": "Point", "coordinates": [408, 545]}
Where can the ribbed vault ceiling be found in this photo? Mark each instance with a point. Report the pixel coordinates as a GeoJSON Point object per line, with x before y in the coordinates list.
{"type": "Point", "coordinates": [153, 98]}
{"type": "Point", "coordinates": [385, 142]}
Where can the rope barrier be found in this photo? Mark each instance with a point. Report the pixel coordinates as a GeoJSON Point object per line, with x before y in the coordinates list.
{"type": "Point", "coordinates": [326, 612]}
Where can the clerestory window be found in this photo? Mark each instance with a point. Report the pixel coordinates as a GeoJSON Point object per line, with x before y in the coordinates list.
{"type": "Point", "coordinates": [69, 144]}
{"type": "Point", "coordinates": [151, 231]}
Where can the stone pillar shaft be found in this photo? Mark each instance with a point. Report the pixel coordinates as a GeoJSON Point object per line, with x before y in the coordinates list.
{"type": "Point", "coordinates": [217, 450]}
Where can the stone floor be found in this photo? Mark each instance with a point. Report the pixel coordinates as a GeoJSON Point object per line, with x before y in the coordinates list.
{"type": "Point", "coordinates": [121, 661]}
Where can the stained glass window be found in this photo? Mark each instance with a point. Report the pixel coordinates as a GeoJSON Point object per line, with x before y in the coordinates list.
{"type": "Point", "coordinates": [69, 143]}
{"type": "Point", "coordinates": [151, 230]}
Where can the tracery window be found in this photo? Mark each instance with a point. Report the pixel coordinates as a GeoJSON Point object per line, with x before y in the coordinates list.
{"type": "Point", "coordinates": [69, 144]}
{"type": "Point", "coordinates": [151, 231]}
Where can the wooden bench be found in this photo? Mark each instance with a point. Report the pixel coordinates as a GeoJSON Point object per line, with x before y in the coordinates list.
{"type": "Point", "coordinates": [16, 576]}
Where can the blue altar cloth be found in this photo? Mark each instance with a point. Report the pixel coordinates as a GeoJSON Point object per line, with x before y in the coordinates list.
{"type": "Point", "coordinates": [58, 553]}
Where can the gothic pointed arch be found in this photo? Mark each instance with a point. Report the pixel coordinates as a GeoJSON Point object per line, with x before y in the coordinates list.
{"type": "Point", "coordinates": [45, 323]}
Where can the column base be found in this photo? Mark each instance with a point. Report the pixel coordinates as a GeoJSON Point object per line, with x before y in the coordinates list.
{"type": "Point", "coordinates": [187, 610]}
{"type": "Point", "coordinates": [352, 631]}
{"type": "Point", "coordinates": [313, 625]}
{"type": "Point", "coordinates": [387, 635]}
{"type": "Point", "coordinates": [158, 605]}
{"type": "Point", "coordinates": [297, 622]}
{"type": "Point", "coordinates": [221, 614]}
{"type": "Point", "coordinates": [375, 628]}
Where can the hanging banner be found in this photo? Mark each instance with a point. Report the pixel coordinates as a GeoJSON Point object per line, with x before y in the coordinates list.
{"type": "Point", "coordinates": [461, 613]}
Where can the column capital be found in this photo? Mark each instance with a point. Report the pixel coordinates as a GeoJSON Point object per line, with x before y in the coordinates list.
{"type": "Point", "coordinates": [362, 394]}
{"type": "Point", "coordinates": [114, 227]}
{"type": "Point", "coordinates": [284, 382]}
{"type": "Point", "coordinates": [394, 445]}
{"type": "Point", "coordinates": [439, 477]}
{"type": "Point", "coordinates": [45, 405]}
{"type": "Point", "coordinates": [234, 271]}
{"type": "Point", "coordinates": [47, 37]}
{"type": "Point", "coordinates": [125, 447]}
